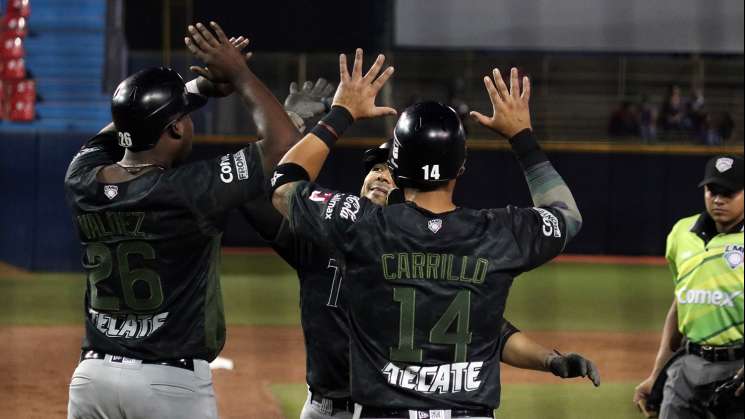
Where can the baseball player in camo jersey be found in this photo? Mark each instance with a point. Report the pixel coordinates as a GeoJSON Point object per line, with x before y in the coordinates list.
{"type": "Point", "coordinates": [324, 323]}
{"type": "Point", "coordinates": [150, 228]}
{"type": "Point", "coordinates": [452, 258]}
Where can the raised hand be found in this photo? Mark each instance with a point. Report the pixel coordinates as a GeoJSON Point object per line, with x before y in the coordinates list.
{"type": "Point", "coordinates": [224, 59]}
{"type": "Point", "coordinates": [573, 365]}
{"type": "Point", "coordinates": [204, 82]}
{"type": "Point", "coordinates": [511, 113]}
{"type": "Point", "coordinates": [312, 100]}
{"type": "Point", "coordinates": [356, 92]}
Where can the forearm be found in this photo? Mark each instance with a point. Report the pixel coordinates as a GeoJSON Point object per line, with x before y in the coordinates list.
{"type": "Point", "coordinates": [275, 128]}
{"type": "Point", "coordinates": [670, 341]}
{"type": "Point", "coordinates": [547, 188]}
{"type": "Point", "coordinates": [305, 159]}
{"type": "Point", "coordinates": [309, 153]}
{"type": "Point", "coordinates": [522, 352]}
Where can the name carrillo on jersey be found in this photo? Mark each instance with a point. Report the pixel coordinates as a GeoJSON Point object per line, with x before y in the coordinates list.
{"type": "Point", "coordinates": [226, 167]}
{"type": "Point", "coordinates": [127, 326]}
{"type": "Point", "coordinates": [445, 378]}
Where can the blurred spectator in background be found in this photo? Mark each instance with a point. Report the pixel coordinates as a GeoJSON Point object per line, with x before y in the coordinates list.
{"type": "Point", "coordinates": [717, 127]}
{"type": "Point", "coordinates": [625, 121]}
{"type": "Point", "coordinates": [695, 112]}
{"type": "Point", "coordinates": [648, 120]}
{"type": "Point", "coordinates": [673, 116]}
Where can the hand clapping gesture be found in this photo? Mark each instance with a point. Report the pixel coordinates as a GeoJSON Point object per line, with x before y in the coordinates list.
{"type": "Point", "coordinates": [225, 62]}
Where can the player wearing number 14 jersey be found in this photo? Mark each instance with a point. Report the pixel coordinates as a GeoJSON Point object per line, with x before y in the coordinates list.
{"type": "Point", "coordinates": [425, 281]}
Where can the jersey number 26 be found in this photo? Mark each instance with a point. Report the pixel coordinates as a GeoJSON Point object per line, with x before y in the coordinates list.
{"type": "Point", "coordinates": [101, 265]}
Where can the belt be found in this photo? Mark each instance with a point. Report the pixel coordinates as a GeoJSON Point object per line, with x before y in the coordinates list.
{"type": "Point", "coordinates": [715, 353]}
{"type": "Point", "coordinates": [374, 412]}
{"type": "Point", "coordinates": [187, 364]}
{"type": "Point", "coordinates": [331, 405]}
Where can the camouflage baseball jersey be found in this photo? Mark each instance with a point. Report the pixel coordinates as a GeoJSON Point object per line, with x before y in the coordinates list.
{"type": "Point", "coordinates": [324, 323]}
{"type": "Point", "coordinates": [425, 293]}
{"type": "Point", "coordinates": [708, 270]}
{"type": "Point", "coordinates": [151, 250]}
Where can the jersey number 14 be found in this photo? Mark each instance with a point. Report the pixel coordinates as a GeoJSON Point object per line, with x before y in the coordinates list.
{"type": "Point", "coordinates": [458, 313]}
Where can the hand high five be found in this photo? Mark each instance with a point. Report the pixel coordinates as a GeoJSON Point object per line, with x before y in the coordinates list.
{"type": "Point", "coordinates": [240, 43]}
{"type": "Point", "coordinates": [511, 113]}
{"type": "Point", "coordinates": [357, 93]}
{"type": "Point", "coordinates": [223, 57]}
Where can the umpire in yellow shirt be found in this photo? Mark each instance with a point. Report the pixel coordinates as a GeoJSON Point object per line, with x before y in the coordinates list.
{"type": "Point", "coordinates": [702, 340]}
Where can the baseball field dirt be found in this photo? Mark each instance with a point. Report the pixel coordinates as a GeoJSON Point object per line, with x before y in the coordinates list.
{"type": "Point", "coordinates": [37, 362]}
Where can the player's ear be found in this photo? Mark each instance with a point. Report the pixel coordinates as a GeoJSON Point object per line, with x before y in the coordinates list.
{"type": "Point", "coordinates": [176, 129]}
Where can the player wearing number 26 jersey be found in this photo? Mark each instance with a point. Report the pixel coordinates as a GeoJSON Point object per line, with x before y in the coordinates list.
{"type": "Point", "coordinates": [152, 249]}
{"type": "Point", "coordinates": [150, 227]}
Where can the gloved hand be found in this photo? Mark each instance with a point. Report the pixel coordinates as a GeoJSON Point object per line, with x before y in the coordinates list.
{"type": "Point", "coordinates": [312, 100]}
{"type": "Point", "coordinates": [572, 365]}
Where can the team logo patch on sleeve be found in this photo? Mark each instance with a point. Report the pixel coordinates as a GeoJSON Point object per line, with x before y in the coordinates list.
{"type": "Point", "coordinates": [320, 196]}
{"type": "Point", "coordinates": [111, 191]}
{"type": "Point", "coordinates": [733, 254]}
{"type": "Point", "coordinates": [550, 223]}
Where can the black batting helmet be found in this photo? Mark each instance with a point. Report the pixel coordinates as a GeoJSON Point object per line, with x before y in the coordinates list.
{"type": "Point", "coordinates": [147, 102]}
{"type": "Point", "coordinates": [376, 155]}
{"type": "Point", "coordinates": [429, 146]}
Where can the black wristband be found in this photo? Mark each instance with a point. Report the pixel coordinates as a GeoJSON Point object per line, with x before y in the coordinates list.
{"type": "Point", "coordinates": [508, 329]}
{"type": "Point", "coordinates": [333, 125]}
{"type": "Point", "coordinates": [528, 152]}
{"type": "Point", "coordinates": [285, 173]}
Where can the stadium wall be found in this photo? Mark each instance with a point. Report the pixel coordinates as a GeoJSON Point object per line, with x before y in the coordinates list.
{"type": "Point", "coordinates": [629, 198]}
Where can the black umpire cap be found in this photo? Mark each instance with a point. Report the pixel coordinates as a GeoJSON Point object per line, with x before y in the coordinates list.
{"type": "Point", "coordinates": [724, 171]}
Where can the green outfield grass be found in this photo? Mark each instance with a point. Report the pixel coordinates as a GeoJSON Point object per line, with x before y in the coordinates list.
{"type": "Point", "coordinates": [263, 290]}
{"type": "Point", "coordinates": [540, 401]}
